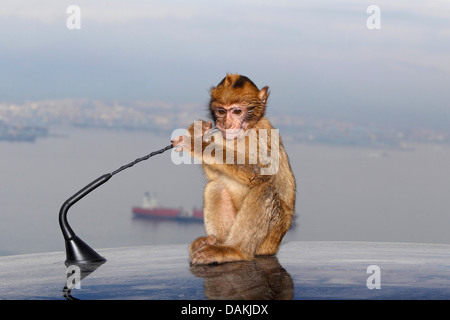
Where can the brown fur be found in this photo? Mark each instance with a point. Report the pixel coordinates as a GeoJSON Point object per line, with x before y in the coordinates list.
{"type": "Point", "coordinates": [237, 89]}
{"type": "Point", "coordinates": [246, 213]}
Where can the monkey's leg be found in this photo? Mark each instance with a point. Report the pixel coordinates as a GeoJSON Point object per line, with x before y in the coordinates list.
{"type": "Point", "coordinates": [276, 233]}
{"type": "Point", "coordinates": [219, 211]}
{"type": "Point", "coordinates": [218, 214]}
{"type": "Point", "coordinates": [250, 229]}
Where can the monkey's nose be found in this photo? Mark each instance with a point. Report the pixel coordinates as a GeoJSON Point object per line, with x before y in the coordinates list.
{"type": "Point", "coordinates": [230, 124]}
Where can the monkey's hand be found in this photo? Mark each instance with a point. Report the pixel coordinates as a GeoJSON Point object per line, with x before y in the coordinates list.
{"type": "Point", "coordinates": [196, 130]}
{"type": "Point", "coordinates": [199, 128]}
{"type": "Point", "coordinates": [177, 143]}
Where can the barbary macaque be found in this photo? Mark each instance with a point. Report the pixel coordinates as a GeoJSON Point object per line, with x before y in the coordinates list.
{"type": "Point", "coordinates": [249, 198]}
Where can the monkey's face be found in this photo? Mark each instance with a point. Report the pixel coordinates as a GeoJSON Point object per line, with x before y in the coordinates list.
{"type": "Point", "coordinates": [237, 105]}
{"type": "Point", "coordinates": [230, 120]}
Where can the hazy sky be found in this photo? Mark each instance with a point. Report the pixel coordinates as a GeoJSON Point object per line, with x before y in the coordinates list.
{"type": "Point", "coordinates": [317, 56]}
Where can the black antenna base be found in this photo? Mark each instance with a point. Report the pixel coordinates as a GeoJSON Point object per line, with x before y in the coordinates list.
{"type": "Point", "coordinates": [78, 252]}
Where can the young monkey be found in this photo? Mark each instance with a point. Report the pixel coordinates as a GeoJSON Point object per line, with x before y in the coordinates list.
{"type": "Point", "coordinates": [247, 211]}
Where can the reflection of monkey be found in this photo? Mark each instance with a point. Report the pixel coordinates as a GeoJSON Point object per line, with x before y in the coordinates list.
{"type": "Point", "coordinates": [246, 210]}
{"type": "Point", "coordinates": [261, 279]}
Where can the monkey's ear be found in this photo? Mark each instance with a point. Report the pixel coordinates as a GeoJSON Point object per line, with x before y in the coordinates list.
{"type": "Point", "coordinates": [264, 94]}
{"type": "Point", "coordinates": [228, 80]}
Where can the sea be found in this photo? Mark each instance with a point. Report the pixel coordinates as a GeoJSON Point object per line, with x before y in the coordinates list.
{"type": "Point", "coordinates": [343, 193]}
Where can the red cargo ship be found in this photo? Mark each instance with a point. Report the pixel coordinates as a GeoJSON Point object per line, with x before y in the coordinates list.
{"type": "Point", "coordinates": [151, 209]}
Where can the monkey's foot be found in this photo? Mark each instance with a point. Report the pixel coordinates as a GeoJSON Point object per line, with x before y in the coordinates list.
{"type": "Point", "coordinates": [201, 242]}
{"type": "Point", "coordinates": [210, 254]}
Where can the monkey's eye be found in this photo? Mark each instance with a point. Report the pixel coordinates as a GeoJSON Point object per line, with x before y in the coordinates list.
{"type": "Point", "coordinates": [237, 111]}
{"type": "Point", "coordinates": [221, 112]}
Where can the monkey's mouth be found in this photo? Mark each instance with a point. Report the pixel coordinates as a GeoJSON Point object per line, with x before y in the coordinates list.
{"type": "Point", "coordinates": [231, 134]}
